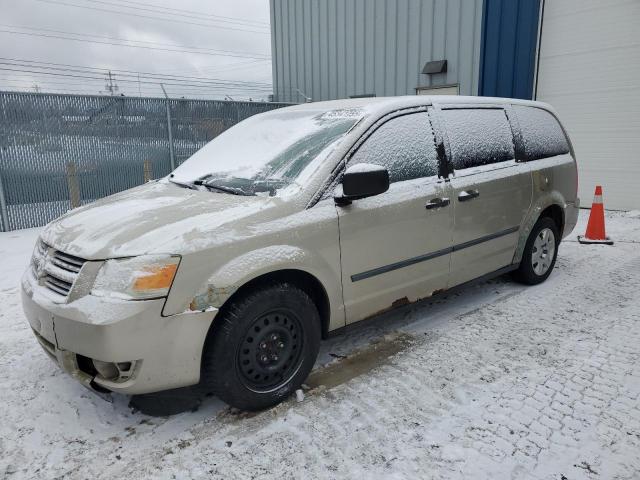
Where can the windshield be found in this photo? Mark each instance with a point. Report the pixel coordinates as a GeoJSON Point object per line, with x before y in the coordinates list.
{"type": "Point", "coordinates": [265, 153]}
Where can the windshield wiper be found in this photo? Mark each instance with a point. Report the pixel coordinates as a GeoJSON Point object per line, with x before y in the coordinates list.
{"type": "Point", "coordinates": [190, 186]}
{"type": "Point", "coordinates": [221, 188]}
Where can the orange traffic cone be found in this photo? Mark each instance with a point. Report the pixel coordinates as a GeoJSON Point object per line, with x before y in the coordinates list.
{"type": "Point", "coordinates": [595, 227]}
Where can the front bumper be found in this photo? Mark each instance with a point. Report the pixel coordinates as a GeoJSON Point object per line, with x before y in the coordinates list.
{"type": "Point", "coordinates": [165, 351]}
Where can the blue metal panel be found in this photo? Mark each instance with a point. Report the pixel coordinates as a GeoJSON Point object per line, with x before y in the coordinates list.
{"type": "Point", "coordinates": [508, 50]}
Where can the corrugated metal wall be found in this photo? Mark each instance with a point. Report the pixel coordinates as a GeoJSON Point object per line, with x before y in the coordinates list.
{"type": "Point", "coordinates": [332, 49]}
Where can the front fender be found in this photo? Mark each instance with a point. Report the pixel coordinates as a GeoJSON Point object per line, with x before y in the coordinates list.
{"type": "Point", "coordinates": [229, 277]}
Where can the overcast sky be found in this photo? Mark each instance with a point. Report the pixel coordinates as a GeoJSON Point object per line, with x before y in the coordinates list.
{"type": "Point", "coordinates": [220, 47]}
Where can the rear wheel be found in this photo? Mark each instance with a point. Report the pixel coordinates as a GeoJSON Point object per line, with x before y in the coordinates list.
{"type": "Point", "coordinates": [262, 347]}
{"type": "Point", "coordinates": [540, 253]}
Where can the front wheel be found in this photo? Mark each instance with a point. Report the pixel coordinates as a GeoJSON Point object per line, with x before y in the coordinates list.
{"type": "Point", "coordinates": [262, 347]}
{"type": "Point", "coordinates": [540, 253]}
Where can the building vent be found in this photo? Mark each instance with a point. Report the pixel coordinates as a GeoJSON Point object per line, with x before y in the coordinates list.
{"type": "Point", "coordinates": [436, 66]}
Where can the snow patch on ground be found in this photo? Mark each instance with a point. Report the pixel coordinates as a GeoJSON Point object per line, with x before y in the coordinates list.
{"type": "Point", "coordinates": [498, 381]}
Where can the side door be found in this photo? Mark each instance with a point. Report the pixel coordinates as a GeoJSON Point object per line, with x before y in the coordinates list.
{"type": "Point", "coordinates": [491, 191]}
{"type": "Point", "coordinates": [395, 247]}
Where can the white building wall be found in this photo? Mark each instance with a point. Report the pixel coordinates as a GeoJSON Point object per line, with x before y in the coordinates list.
{"type": "Point", "coordinates": [589, 71]}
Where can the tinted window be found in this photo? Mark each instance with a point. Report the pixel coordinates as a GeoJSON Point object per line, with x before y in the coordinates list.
{"type": "Point", "coordinates": [405, 145]}
{"type": "Point", "coordinates": [478, 137]}
{"type": "Point", "coordinates": [542, 136]}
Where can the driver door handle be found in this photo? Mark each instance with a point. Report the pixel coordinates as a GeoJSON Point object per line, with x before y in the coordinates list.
{"type": "Point", "coordinates": [437, 203]}
{"type": "Point", "coordinates": [467, 195]}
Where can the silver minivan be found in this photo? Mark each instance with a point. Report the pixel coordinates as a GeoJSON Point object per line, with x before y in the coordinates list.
{"type": "Point", "coordinates": [293, 224]}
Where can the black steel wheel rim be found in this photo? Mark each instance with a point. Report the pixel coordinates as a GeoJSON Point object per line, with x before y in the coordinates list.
{"type": "Point", "coordinates": [270, 352]}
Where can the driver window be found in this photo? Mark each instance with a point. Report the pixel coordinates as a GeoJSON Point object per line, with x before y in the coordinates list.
{"type": "Point", "coordinates": [405, 145]}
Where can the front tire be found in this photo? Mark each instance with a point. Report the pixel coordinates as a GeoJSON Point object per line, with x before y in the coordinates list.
{"type": "Point", "coordinates": [262, 347]}
{"type": "Point", "coordinates": [540, 253]}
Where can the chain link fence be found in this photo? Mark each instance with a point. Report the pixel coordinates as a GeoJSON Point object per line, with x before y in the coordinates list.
{"type": "Point", "coordinates": [58, 152]}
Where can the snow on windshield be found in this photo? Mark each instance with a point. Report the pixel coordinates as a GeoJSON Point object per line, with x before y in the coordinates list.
{"type": "Point", "coordinates": [274, 146]}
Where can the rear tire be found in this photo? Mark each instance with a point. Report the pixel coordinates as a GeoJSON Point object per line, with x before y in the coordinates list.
{"type": "Point", "coordinates": [262, 347]}
{"type": "Point", "coordinates": [540, 253]}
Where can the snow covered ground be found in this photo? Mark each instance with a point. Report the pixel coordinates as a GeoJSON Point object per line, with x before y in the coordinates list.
{"type": "Point", "coordinates": [496, 381]}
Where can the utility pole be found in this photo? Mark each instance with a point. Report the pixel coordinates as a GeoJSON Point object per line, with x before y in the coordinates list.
{"type": "Point", "coordinates": [36, 88]}
{"type": "Point", "coordinates": [111, 86]}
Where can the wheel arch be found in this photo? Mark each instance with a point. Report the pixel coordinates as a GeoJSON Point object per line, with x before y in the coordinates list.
{"type": "Point", "coordinates": [302, 279]}
{"type": "Point", "coordinates": [556, 213]}
{"type": "Point", "coordinates": [552, 206]}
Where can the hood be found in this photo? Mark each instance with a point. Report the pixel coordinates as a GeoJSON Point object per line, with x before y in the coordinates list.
{"type": "Point", "coordinates": [158, 217]}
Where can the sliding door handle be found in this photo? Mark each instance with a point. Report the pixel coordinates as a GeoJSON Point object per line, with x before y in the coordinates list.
{"type": "Point", "coordinates": [437, 203]}
{"type": "Point", "coordinates": [467, 195]}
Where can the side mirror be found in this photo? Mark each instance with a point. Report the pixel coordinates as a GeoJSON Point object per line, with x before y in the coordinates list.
{"type": "Point", "coordinates": [363, 180]}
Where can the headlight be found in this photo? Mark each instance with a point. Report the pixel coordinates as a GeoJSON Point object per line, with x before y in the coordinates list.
{"type": "Point", "coordinates": [137, 278]}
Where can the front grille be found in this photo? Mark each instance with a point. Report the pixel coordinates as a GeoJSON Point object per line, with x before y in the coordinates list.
{"type": "Point", "coordinates": [67, 262]}
{"type": "Point", "coordinates": [57, 285]}
{"type": "Point", "coordinates": [55, 270]}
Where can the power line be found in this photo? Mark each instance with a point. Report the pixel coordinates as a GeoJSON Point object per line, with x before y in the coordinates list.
{"type": "Point", "coordinates": [32, 34]}
{"type": "Point", "coordinates": [61, 67]}
{"type": "Point", "coordinates": [57, 74]}
{"type": "Point", "coordinates": [223, 68]}
{"type": "Point", "coordinates": [24, 77]}
{"type": "Point", "coordinates": [194, 12]}
{"type": "Point", "coordinates": [62, 32]}
{"type": "Point", "coordinates": [146, 91]}
{"type": "Point", "coordinates": [219, 68]}
{"type": "Point", "coordinates": [83, 69]}
{"type": "Point", "coordinates": [129, 91]}
{"type": "Point", "coordinates": [181, 12]}
{"type": "Point", "coordinates": [118, 42]}
{"type": "Point", "coordinates": [209, 25]}
{"type": "Point", "coordinates": [57, 90]}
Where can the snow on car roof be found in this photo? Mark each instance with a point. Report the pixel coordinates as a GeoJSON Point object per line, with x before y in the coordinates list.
{"type": "Point", "coordinates": [381, 104]}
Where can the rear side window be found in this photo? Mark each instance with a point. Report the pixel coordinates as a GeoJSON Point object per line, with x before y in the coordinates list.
{"type": "Point", "coordinates": [542, 135]}
{"type": "Point", "coordinates": [478, 137]}
{"type": "Point", "coordinates": [404, 145]}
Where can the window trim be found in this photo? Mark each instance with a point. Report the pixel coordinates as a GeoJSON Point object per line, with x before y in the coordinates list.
{"type": "Point", "coordinates": [488, 167]}
{"type": "Point", "coordinates": [438, 108]}
{"type": "Point", "coordinates": [361, 141]}
{"type": "Point", "coordinates": [333, 179]}
{"type": "Point", "coordinates": [521, 137]}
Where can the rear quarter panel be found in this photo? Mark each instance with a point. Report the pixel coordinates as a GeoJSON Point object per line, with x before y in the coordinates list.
{"type": "Point", "coordinates": [554, 181]}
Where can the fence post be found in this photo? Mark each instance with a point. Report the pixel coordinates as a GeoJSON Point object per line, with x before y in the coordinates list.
{"type": "Point", "coordinates": [3, 209]}
{"type": "Point", "coordinates": [72, 184]}
{"type": "Point", "coordinates": [171, 155]}
{"type": "Point", "coordinates": [147, 174]}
